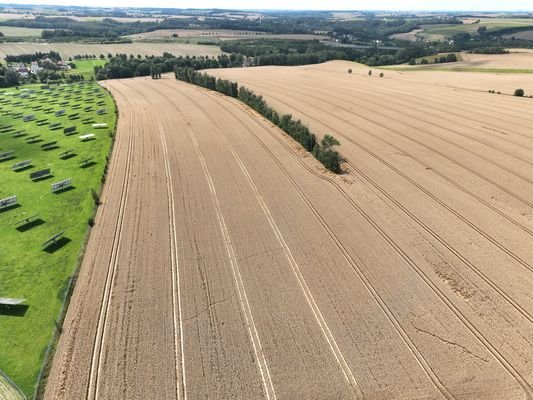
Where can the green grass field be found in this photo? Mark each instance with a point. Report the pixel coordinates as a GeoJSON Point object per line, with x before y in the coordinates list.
{"type": "Point", "coordinates": [26, 270]}
{"type": "Point", "coordinates": [86, 67]}
{"type": "Point", "coordinates": [443, 31]}
{"type": "Point", "coordinates": [14, 31]}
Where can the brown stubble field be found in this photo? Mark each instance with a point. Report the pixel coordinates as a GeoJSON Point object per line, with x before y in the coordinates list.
{"type": "Point", "coordinates": [67, 50]}
{"type": "Point", "coordinates": [225, 263]}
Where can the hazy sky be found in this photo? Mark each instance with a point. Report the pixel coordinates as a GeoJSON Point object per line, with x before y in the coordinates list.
{"type": "Point", "coordinates": [471, 5]}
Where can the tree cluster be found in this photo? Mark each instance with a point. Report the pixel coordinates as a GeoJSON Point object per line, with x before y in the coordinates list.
{"type": "Point", "coordinates": [324, 151]}
{"type": "Point", "coordinates": [490, 50]}
{"type": "Point", "coordinates": [8, 77]}
{"type": "Point", "coordinates": [155, 72]}
{"type": "Point", "coordinates": [124, 66]}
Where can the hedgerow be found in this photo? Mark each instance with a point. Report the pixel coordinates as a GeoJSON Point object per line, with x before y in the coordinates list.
{"type": "Point", "coordinates": [324, 151]}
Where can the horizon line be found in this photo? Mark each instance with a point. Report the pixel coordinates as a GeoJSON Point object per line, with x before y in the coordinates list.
{"type": "Point", "coordinates": [276, 9]}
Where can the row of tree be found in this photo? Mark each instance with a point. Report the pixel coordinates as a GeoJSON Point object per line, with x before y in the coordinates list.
{"type": "Point", "coordinates": [324, 151]}
{"type": "Point", "coordinates": [27, 58]}
{"type": "Point", "coordinates": [124, 66]}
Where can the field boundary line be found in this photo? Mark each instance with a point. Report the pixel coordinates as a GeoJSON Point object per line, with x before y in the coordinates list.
{"type": "Point", "coordinates": [96, 359]}
{"type": "Point", "coordinates": [6, 381]}
{"type": "Point", "coordinates": [42, 380]}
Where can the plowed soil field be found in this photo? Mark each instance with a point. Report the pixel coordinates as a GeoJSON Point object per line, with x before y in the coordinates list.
{"type": "Point", "coordinates": [226, 263]}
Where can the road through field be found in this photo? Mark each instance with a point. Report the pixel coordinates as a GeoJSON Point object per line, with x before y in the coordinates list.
{"type": "Point", "coordinates": [226, 263]}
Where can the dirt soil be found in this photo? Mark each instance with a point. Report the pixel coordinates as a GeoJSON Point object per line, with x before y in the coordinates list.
{"type": "Point", "coordinates": [226, 263]}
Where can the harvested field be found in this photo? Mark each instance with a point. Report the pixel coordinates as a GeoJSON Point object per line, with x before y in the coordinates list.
{"type": "Point", "coordinates": [455, 166]}
{"type": "Point", "coordinates": [8, 391]}
{"type": "Point", "coordinates": [502, 80]}
{"type": "Point", "coordinates": [222, 34]}
{"type": "Point", "coordinates": [71, 49]}
{"type": "Point", "coordinates": [20, 32]}
{"type": "Point", "coordinates": [411, 36]}
{"type": "Point", "coordinates": [524, 35]}
{"type": "Point", "coordinates": [518, 60]}
{"type": "Point", "coordinates": [8, 16]}
{"type": "Point", "coordinates": [228, 264]}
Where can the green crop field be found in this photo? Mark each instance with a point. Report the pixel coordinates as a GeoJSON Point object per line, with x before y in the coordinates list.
{"type": "Point", "coordinates": [41, 276]}
{"type": "Point", "coordinates": [442, 31]}
{"type": "Point", "coordinates": [86, 67]}
{"type": "Point", "coordinates": [20, 32]}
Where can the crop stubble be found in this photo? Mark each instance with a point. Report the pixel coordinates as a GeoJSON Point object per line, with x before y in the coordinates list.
{"type": "Point", "coordinates": [407, 277]}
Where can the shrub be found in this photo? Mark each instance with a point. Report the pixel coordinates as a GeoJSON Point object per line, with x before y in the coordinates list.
{"type": "Point", "coordinates": [451, 57]}
{"type": "Point", "coordinates": [381, 74]}
{"type": "Point", "coordinates": [424, 61]}
{"type": "Point", "coordinates": [327, 155]}
{"type": "Point", "coordinates": [350, 71]}
{"type": "Point", "coordinates": [370, 73]}
{"type": "Point", "coordinates": [95, 197]}
{"type": "Point", "coordinates": [519, 92]}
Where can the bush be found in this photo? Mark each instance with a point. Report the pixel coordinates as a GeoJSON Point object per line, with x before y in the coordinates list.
{"type": "Point", "coordinates": [381, 75]}
{"type": "Point", "coordinates": [328, 156]}
{"type": "Point", "coordinates": [350, 71]}
{"type": "Point", "coordinates": [370, 73]}
{"type": "Point", "coordinates": [424, 61]}
{"type": "Point", "coordinates": [95, 197]}
{"type": "Point", "coordinates": [519, 92]}
{"type": "Point", "coordinates": [451, 57]}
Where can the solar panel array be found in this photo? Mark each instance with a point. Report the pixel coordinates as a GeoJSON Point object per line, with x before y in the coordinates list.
{"type": "Point", "coordinates": [66, 153]}
{"type": "Point", "coordinates": [53, 239]}
{"type": "Point", "coordinates": [49, 144]}
{"type": "Point", "coordinates": [8, 202]}
{"type": "Point", "coordinates": [61, 185]}
{"type": "Point", "coordinates": [20, 165]}
{"type": "Point", "coordinates": [40, 173]}
{"type": "Point", "coordinates": [6, 154]}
